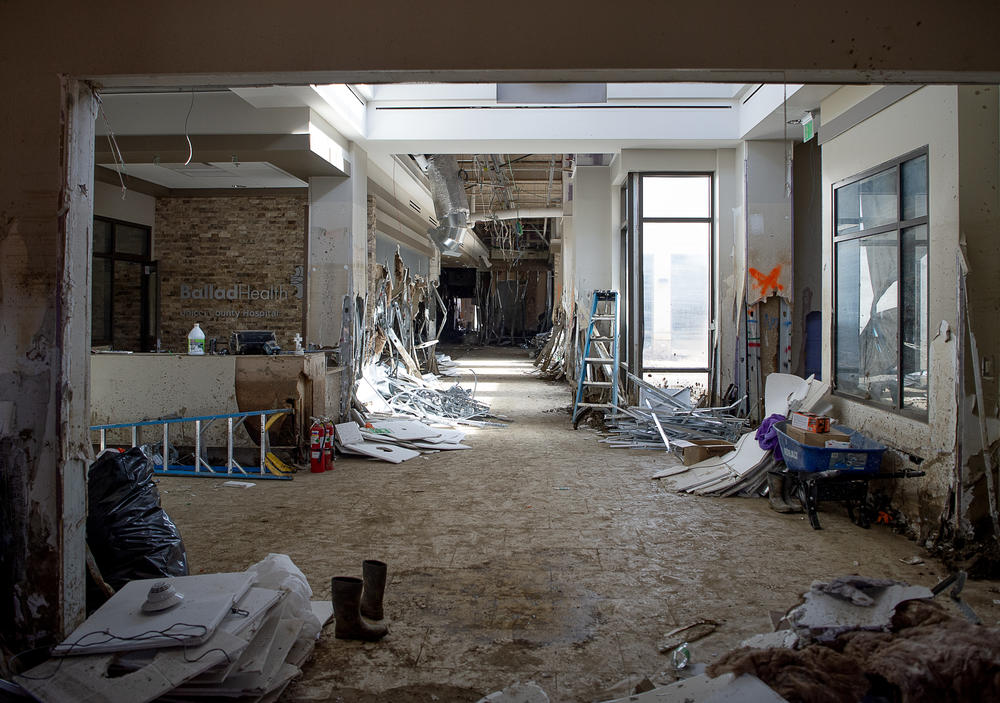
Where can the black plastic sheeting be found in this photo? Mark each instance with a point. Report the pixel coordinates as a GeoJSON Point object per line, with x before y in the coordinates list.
{"type": "Point", "coordinates": [129, 534]}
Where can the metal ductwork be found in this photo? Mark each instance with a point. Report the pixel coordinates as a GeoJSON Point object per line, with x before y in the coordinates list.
{"type": "Point", "coordinates": [517, 214]}
{"type": "Point", "coordinates": [453, 235]}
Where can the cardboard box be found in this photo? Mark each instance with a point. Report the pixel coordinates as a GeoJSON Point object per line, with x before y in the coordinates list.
{"type": "Point", "coordinates": [695, 450]}
{"type": "Point", "coordinates": [810, 421]}
{"type": "Point", "coordinates": [819, 439]}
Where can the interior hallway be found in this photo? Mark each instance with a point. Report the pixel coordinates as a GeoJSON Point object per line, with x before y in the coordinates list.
{"type": "Point", "coordinates": [537, 555]}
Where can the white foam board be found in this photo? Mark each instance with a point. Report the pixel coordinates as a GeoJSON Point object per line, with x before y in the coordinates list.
{"type": "Point", "coordinates": [779, 389]}
{"type": "Point", "coordinates": [84, 679]}
{"type": "Point", "coordinates": [441, 446]}
{"type": "Point", "coordinates": [701, 689]}
{"type": "Point", "coordinates": [447, 437]}
{"type": "Point", "coordinates": [406, 429]}
{"type": "Point", "coordinates": [323, 610]}
{"type": "Point", "coordinates": [385, 452]}
{"type": "Point", "coordinates": [348, 433]}
{"type": "Point", "coordinates": [256, 604]}
{"type": "Point", "coordinates": [120, 625]}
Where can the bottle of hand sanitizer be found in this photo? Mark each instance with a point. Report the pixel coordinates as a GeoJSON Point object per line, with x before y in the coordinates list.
{"type": "Point", "coordinates": [196, 340]}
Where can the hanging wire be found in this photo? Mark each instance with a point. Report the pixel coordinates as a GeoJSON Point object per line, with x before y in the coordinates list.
{"type": "Point", "coordinates": [116, 154]}
{"type": "Point", "coordinates": [190, 148]}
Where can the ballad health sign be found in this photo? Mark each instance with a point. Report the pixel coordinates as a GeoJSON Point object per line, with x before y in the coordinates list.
{"type": "Point", "coordinates": [241, 300]}
{"type": "Point", "coordinates": [236, 291]}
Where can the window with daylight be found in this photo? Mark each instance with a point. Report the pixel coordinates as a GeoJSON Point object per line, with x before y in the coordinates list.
{"type": "Point", "coordinates": [675, 214]}
{"type": "Point", "coordinates": [881, 261]}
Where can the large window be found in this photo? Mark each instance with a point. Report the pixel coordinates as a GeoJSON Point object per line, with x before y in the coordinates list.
{"type": "Point", "coordinates": [881, 258]}
{"type": "Point", "coordinates": [124, 301]}
{"type": "Point", "coordinates": [675, 243]}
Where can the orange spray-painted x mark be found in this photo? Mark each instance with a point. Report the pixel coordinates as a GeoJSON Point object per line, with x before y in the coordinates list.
{"type": "Point", "coordinates": [768, 282]}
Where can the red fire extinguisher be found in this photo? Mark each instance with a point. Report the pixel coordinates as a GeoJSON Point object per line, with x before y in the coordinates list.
{"type": "Point", "coordinates": [317, 433]}
{"type": "Point", "coordinates": [328, 454]}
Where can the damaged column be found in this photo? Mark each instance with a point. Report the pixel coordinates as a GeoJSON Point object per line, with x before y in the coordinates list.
{"type": "Point", "coordinates": [45, 362]}
{"type": "Point", "coordinates": [768, 292]}
{"type": "Point", "coordinates": [337, 261]}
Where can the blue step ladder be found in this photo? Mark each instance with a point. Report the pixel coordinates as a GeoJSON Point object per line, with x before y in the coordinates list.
{"type": "Point", "coordinates": [603, 328]}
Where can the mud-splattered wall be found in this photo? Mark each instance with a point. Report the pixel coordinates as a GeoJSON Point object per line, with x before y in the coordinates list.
{"type": "Point", "coordinates": [928, 118]}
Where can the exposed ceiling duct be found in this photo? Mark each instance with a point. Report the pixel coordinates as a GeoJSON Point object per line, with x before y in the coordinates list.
{"type": "Point", "coordinates": [516, 214]}
{"type": "Point", "coordinates": [453, 236]}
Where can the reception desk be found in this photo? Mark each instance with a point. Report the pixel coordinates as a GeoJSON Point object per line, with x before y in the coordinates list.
{"type": "Point", "coordinates": [134, 387]}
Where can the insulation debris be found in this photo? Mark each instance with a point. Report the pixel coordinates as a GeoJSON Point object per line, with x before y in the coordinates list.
{"type": "Point", "coordinates": [240, 636]}
{"type": "Point", "coordinates": [900, 646]}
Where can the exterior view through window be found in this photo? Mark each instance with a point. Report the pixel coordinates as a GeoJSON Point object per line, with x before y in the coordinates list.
{"type": "Point", "coordinates": [676, 250]}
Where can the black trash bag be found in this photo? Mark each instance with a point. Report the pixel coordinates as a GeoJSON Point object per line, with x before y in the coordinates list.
{"type": "Point", "coordinates": [128, 532]}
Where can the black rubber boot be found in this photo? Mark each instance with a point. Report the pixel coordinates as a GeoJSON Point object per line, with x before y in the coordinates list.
{"type": "Point", "coordinates": [346, 604]}
{"type": "Point", "coordinates": [777, 492]}
{"type": "Point", "coordinates": [371, 598]}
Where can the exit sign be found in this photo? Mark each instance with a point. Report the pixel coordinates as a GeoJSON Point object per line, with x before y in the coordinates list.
{"type": "Point", "coordinates": [807, 127]}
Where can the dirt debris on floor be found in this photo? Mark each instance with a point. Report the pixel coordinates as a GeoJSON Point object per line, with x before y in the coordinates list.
{"type": "Point", "coordinates": [540, 555]}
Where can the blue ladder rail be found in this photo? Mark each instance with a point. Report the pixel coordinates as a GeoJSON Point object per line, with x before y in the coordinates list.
{"type": "Point", "coordinates": [201, 424]}
{"type": "Point", "coordinates": [610, 317]}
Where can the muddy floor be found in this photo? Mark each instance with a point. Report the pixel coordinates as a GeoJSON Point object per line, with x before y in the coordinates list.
{"type": "Point", "coordinates": [538, 555]}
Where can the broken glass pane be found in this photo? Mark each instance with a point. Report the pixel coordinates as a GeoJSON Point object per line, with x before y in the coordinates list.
{"type": "Point", "coordinates": [868, 318]}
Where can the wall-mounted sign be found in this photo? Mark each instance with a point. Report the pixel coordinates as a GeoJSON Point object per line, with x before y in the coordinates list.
{"type": "Point", "coordinates": [235, 291]}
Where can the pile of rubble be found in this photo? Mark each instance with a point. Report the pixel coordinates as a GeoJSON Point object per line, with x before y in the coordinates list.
{"type": "Point", "coordinates": [852, 638]}
{"type": "Point", "coordinates": [240, 636]}
{"type": "Point", "coordinates": [743, 471]}
{"type": "Point", "coordinates": [665, 414]}
{"type": "Point", "coordinates": [400, 374]}
{"type": "Point", "coordinates": [384, 391]}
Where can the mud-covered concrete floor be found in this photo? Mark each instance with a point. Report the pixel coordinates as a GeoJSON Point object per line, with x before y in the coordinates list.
{"type": "Point", "coordinates": [538, 555]}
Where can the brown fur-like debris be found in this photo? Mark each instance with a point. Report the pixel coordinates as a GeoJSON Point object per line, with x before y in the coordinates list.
{"type": "Point", "coordinates": [815, 674]}
{"type": "Point", "coordinates": [929, 655]}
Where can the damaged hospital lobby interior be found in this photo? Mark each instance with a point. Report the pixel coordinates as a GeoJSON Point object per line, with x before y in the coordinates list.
{"type": "Point", "coordinates": [538, 353]}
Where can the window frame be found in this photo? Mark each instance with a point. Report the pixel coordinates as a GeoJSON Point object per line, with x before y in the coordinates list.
{"type": "Point", "coordinates": [897, 227]}
{"type": "Point", "coordinates": [113, 255]}
{"type": "Point", "coordinates": [639, 331]}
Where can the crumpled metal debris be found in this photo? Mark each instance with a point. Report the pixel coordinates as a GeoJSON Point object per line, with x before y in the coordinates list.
{"type": "Point", "coordinates": [391, 392]}
{"type": "Point", "coordinates": [398, 338]}
{"type": "Point", "coordinates": [668, 413]}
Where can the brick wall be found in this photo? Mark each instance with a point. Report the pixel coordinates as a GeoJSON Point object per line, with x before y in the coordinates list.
{"type": "Point", "coordinates": [230, 263]}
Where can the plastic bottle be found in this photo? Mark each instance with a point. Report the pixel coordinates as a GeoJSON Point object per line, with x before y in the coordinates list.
{"type": "Point", "coordinates": [196, 340]}
{"type": "Point", "coordinates": [682, 657]}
